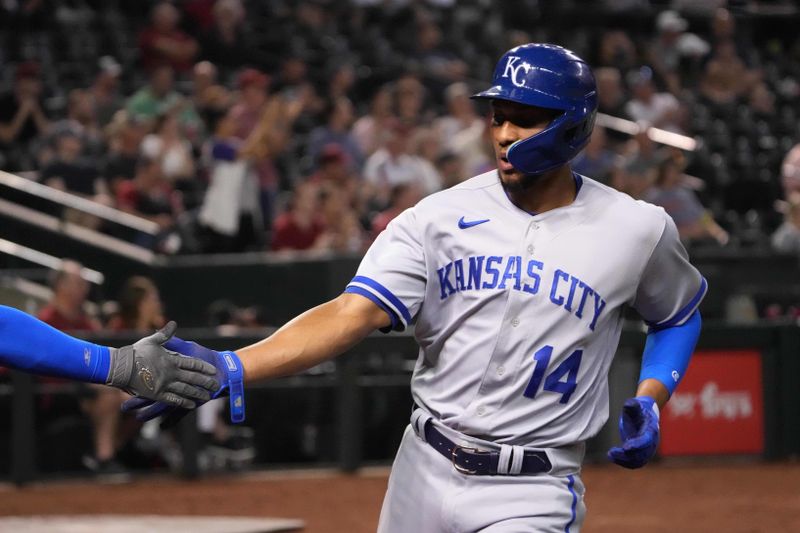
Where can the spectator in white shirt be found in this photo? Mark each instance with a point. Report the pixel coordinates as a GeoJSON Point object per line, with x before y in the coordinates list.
{"type": "Point", "coordinates": [656, 109]}
{"type": "Point", "coordinates": [460, 115]}
{"type": "Point", "coordinates": [786, 238]}
{"type": "Point", "coordinates": [394, 163]}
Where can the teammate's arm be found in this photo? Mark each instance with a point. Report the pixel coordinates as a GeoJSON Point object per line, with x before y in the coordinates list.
{"type": "Point", "coordinates": [144, 368]}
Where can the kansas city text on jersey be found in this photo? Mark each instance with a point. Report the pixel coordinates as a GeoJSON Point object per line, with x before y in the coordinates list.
{"type": "Point", "coordinates": [500, 273]}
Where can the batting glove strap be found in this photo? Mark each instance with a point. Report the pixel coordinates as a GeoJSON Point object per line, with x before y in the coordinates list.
{"type": "Point", "coordinates": [235, 385]}
{"type": "Point", "coordinates": [121, 367]}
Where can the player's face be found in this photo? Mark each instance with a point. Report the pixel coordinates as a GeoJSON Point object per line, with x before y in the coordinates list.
{"type": "Point", "coordinates": [512, 122]}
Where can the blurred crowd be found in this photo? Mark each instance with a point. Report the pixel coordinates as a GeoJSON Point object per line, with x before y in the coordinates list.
{"type": "Point", "coordinates": [118, 442]}
{"type": "Point", "coordinates": [308, 125]}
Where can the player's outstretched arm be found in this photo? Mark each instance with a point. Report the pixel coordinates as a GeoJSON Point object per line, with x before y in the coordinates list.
{"type": "Point", "coordinates": [315, 336]}
{"type": "Point", "coordinates": [145, 368]}
{"type": "Point", "coordinates": [307, 340]}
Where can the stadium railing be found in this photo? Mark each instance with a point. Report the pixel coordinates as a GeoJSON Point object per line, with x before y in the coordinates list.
{"type": "Point", "coordinates": [384, 363]}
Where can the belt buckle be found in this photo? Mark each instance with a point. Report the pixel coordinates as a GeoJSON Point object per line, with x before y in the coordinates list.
{"type": "Point", "coordinates": [460, 469]}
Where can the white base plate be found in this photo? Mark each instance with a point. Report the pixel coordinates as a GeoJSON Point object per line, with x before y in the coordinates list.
{"type": "Point", "coordinates": [146, 523]}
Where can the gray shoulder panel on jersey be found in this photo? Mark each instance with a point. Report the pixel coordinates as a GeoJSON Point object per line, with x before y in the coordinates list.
{"type": "Point", "coordinates": [620, 211]}
{"type": "Point", "coordinates": [635, 208]}
{"type": "Point", "coordinates": [670, 288]}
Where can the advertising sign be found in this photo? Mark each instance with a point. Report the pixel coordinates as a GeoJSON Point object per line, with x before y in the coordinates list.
{"type": "Point", "coordinates": [718, 407]}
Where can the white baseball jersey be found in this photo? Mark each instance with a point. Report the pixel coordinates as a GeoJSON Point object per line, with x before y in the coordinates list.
{"type": "Point", "coordinates": [518, 315]}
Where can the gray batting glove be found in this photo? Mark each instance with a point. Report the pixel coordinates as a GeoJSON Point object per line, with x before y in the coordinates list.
{"type": "Point", "coordinates": [149, 370]}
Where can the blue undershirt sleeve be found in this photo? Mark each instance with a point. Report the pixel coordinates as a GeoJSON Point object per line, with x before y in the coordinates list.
{"type": "Point", "coordinates": [668, 350]}
{"type": "Point", "coordinates": [29, 344]}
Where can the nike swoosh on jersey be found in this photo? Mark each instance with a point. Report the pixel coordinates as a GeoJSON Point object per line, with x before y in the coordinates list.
{"type": "Point", "coordinates": [463, 224]}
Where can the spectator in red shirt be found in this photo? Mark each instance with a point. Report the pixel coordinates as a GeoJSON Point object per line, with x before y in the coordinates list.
{"type": "Point", "coordinates": [66, 312]}
{"type": "Point", "coordinates": [300, 226]}
{"type": "Point", "coordinates": [253, 85]}
{"type": "Point", "coordinates": [265, 125]}
{"type": "Point", "coordinates": [333, 166]}
{"type": "Point", "coordinates": [164, 43]}
{"type": "Point", "coordinates": [335, 171]}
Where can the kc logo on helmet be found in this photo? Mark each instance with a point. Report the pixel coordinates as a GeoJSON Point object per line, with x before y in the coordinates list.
{"type": "Point", "coordinates": [512, 70]}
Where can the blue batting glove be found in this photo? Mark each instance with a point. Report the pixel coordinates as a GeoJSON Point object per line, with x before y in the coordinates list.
{"type": "Point", "coordinates": [229, 375]}
{"type": "Point", "coordinates": [148, 409]}
{"type": "Point", "coordinates": [639, 431]}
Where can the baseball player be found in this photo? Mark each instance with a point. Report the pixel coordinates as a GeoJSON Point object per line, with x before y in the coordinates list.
{"type": "Point", "coordinates": [516, 281]}
{"type": "Point", "coordinates": [145, 368]}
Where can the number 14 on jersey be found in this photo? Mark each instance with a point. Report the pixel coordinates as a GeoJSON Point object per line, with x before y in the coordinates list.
{"type": "Point", "coordinates": [553, 383]}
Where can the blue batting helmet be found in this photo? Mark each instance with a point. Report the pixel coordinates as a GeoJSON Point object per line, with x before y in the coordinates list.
{"type": "Point", "coordinates": [549, 76]}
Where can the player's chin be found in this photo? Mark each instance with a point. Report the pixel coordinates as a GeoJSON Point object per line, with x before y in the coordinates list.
{"type": "Point", "coordinates": [515, 181]}
{"type": "Point", "coordinates": [511, 178]}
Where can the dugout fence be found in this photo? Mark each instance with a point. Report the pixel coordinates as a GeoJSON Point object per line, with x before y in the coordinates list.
{"type": "Point", "coordinates": [350, 395]}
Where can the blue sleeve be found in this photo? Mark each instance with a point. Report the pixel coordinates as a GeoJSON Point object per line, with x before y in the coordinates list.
{"type": "Point", "coordinates": [29, 344]}
{"type": "Point", "coordinates": [668, 350]}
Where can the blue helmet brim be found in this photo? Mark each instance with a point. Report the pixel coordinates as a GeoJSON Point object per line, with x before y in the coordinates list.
{"type": "Point", "coordinates": [522, 96]}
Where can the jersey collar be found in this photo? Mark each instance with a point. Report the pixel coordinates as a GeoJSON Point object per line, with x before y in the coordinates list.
{"type": "Point", "coordinates": [576, 203]}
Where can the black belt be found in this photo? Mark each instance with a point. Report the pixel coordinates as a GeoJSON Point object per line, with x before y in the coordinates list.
{"type": "Point", "coordinates": [481, 463]}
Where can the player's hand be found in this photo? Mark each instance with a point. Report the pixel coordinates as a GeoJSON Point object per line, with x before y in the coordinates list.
{"type": "Point", "coordinates": [638, 429]}
{"type": "Point", "coordinates": [149, 371]}
{"type": "Point", "coordinates": [228, 370]}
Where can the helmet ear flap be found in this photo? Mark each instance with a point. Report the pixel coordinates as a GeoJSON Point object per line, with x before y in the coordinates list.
{"type": "Point", "coordinates": [541, 152]}
{"type": "Point", "coordinates": [588, 124]}
{"type": "Point", "coordinates": [585, 128]}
